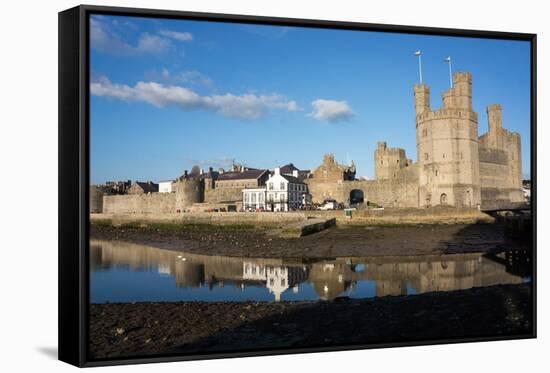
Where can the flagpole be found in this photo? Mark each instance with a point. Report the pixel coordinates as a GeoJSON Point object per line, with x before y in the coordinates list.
{"type": "Point", "coordinates": [419, 55]}
{"type": "Point", "coordinates": [448, 59]}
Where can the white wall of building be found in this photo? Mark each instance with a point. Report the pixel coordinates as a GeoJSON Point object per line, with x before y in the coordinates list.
{"type": "Point", "coordinates": [165, 187]}
{"type": "Point", "coordinates": [254, 199]}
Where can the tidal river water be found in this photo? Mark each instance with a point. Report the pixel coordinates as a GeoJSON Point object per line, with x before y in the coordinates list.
{"type": "Point", "coordinates": [122, 272]}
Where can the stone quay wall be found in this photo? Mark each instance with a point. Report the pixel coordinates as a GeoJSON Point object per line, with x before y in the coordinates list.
{"type": "Point", "coordinates": [433, 215]}
{"type": "Point", "coordinates": [221, 218]}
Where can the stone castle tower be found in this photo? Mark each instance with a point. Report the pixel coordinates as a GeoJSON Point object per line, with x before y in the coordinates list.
{"type": "Point", "coordinates": [447, 146]}
{"type": "Point", "coordinates": [388, 161]}
{"type": "Point", "coordinates": [500, 153]}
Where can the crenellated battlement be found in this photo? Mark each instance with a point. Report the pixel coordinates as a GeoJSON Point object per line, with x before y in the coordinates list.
{"type": "Point", "coordinates": [446, 114]}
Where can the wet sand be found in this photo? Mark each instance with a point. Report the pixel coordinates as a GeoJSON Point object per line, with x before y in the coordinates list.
{"type": "Point", "coordinates": [337, 241]}
{"type": "Point", "coordinates": [134, 329]}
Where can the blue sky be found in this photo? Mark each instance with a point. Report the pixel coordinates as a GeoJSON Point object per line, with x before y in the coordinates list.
{"type": "Point", "coordinates": [167, 94]}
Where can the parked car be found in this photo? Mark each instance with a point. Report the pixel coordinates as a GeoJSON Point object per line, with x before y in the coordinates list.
{"type": "Point", "coordinates": [329, 205]}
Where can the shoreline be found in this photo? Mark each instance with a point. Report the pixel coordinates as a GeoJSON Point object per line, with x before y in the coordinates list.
{"type": "Point", "coordinates": [147, 328]}
{"type": "Point", "coordinates": [340, 241]}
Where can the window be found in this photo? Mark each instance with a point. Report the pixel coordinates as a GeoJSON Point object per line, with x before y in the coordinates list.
{"type": "Point", "coordinates": [426, 156]}
{"type": "Point", "coordinates": [425, 132]}
{"type": "Point", "coordinates": [435, 172]}
{"type": "Point", "coordinates": [253, 200]}
{"type": "Point", "coordinates": [270, 186]}
{"type": "Point", "coordinates": [443, 155]}
{"type": "Point", "coordinates": [325, 173]}
{"type": "Point", "coordinates": [282, 185]}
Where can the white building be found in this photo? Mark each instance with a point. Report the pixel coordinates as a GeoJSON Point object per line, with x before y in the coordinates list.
{"type": "Point", "coordinates": [165, 186]}
{"type": "Point", "coordinates": [285, 192]}
{"type": "Point", "coordinates": [281, 193]}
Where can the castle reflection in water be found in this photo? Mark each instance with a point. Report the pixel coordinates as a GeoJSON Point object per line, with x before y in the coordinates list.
{"type": "Point", "coordinates": [328, 277]}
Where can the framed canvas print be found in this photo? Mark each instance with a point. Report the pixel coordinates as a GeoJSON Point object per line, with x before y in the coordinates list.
{"type": "Point", "coordinates": [237, 185]}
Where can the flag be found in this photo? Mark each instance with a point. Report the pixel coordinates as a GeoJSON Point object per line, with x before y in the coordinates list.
{"type": "Point", "coordinates": [448, 59]}
{"type": "Point", "coordinates": [417, 53]}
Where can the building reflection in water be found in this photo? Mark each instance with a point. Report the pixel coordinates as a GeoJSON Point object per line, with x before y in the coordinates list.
{"type": "Point", "coordinates": [328, 278]}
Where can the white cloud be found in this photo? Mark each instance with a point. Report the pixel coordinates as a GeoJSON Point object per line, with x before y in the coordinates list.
{"type": "Point", "coordinates": [187, 77]}
{"type": "Point", "coordinates": [176, 35]}
{"type": "Point", "coordinates": [153, 44]}
{"type": "Point", "coordinates": [105, 39]}
{"type": "Point", "coordinates": [330, 110]}
{"type": "Point", "coordinates": [246, 106]}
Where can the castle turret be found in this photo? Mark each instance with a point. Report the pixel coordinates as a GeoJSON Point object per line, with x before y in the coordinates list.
{"type": "Point", "coordinates": [494, 115]}
{"type": "Point", "coordinates": [494, 118]}
{"type": "Point", "coordinates": [421, 98]}
{"type": "Point", "coordinates": [460, 95]}
{"type": "Point", "coordinates": [189, 189]}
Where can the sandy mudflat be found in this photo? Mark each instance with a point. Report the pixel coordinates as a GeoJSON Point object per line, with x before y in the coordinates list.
{"type": "Point", "coordinates": [337, 241]}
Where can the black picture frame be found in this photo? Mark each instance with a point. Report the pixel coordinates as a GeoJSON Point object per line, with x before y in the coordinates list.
{"type": "Point", "coordinates": [74, 175]}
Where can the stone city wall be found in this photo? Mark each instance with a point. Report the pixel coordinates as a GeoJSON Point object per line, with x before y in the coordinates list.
{"type": "Point", "coordinates": [140, 203]}
{"type": "Point", "coordinates": [401, 191]}
{"type": "Point", "coordinates": [223, 195]}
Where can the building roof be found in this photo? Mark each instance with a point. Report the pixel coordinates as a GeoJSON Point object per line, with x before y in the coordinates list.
{"type": "Point", "coordinates": [148, 187]}
{"type": "Point", "coordinates": [211, 175]}
{"type": "Point", "coordinates": [292, 179]}
{"type": "Point", "coordinates": [288, 168]}
{"type": "Point", "coordinates": [246, 174]}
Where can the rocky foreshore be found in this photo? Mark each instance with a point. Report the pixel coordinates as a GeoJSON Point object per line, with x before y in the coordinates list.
{"type": "Point", "coordinates": [133, 329]}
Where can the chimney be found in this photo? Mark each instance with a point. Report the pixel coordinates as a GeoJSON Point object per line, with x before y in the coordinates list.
{"type": "Point", "coordinates": [277, 171]}
{"type": "Point", "coordinates": [185, 174]}
{"type": "Point", "coordinates": [295, 173]}
{"type": "Point", "coordinates": [210, 169]}
{"type": "Point", "coordinates": [202, 171]}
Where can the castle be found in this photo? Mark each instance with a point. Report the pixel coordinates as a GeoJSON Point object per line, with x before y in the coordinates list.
{"type": "Point", "coordinates": [454, 167]}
